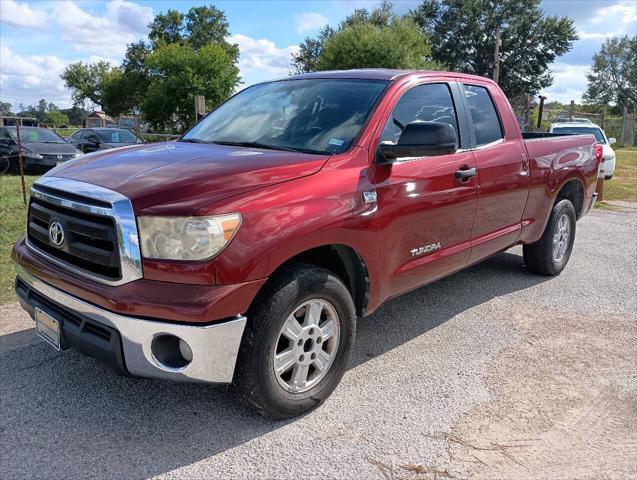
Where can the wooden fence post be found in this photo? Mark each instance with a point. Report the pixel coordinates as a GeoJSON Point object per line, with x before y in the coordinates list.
{"type": "Point", "coordinates": [20, 162]}
{"type": "Point", "coordinates": [200, 107]}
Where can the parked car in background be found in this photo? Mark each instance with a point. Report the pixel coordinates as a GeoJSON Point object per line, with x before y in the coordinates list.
{"type": "Point", "coordinates": [42, 149]}
{"type": "Point", "coordinates": [92, 139]}
{"type": "Point", "coordinates": [582, 126]}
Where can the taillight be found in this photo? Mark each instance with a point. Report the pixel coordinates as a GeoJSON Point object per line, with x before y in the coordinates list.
{"type": "Point", "coordinates": [598, 150]}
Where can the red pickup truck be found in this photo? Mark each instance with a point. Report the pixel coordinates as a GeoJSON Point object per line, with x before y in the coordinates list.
{"type": "Point", "coordinates": [245, 251]}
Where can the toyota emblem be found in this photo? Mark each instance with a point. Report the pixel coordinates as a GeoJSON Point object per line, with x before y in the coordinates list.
{"type": "Point", "coordinates": [56, 233]}
{"type": "Point", "coordinates": [59, 156]}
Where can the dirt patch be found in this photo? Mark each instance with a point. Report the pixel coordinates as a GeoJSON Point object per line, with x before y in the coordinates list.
{"type": "Point", "coordinates": [564, 403]}
{"type": "Point", "coordinates": [13, 318]}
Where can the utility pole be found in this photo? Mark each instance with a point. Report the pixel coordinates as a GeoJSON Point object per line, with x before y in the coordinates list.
{"type": "Point", "coordinates": [496, 57]}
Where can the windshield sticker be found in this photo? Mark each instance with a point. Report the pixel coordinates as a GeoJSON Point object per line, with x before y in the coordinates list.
{"type": "Point", "coordinates": [115, 137]}
{"type": "Point", "coordinates": [33, 137]}
{"type": "Point", "coordinates": [337, 142]}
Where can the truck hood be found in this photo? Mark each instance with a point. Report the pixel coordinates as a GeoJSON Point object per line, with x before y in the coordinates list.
{"type": "Point", "coordinates": [177, 178]}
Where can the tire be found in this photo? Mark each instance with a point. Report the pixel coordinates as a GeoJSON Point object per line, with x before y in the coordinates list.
{"type": "Point", "coordinates": [284, 301]}
{"type": "Point", "coordinates": [551, 253]}
{"type": "Point", "coordinates": [608, 177]}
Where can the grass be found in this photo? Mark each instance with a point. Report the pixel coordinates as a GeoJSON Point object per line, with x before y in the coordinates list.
{"type": "Point", "coordinates": [13, 215]}
{"type": "Point", "coordinates": [623, 185]}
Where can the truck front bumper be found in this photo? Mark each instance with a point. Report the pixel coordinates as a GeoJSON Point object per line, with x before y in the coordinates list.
{"type": "Point", "coordinates": [143, 348]}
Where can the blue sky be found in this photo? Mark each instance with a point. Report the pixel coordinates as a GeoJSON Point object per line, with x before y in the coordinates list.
{"type": "Point", "coordinates": [39, 38]}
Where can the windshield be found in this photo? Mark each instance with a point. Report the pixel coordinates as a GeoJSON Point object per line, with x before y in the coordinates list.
{"type": "Point", "coordinates": [321, 116]}
{"type": "Point", "coordinates": [582, 131]}
{"type": "Point", "coordinates": [36, 135]}
{"type": "Point", "coordinates": [116, 136]}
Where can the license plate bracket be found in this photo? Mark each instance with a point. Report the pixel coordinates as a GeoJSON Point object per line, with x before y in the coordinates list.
{"type": "Point", "coordinates": [47, 328]}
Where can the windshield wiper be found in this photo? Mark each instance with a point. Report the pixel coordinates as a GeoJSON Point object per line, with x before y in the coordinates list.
{"type": "Point", "coordinates": [192, 140]}
{"type": "Point", "coordinates": [256, 145]}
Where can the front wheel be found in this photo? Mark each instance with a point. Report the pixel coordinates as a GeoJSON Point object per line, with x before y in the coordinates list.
{"type": "Point", "coordinates": [297, 344]}
{"type": "Point", "coordinates": [551, 253]}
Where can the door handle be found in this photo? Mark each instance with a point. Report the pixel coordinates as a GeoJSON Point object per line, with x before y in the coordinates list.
{"type": "Point", "coordinates": [466, 173]}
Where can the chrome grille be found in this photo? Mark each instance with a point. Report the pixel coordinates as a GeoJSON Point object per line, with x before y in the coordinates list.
{"type": "Point", "coordinates": [100, 231]}
{"type": "Point", "coordinates": [90, 241]}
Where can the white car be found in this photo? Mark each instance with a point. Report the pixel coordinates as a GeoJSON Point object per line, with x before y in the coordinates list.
{"type": "Point", "coordinates": [583, 127]}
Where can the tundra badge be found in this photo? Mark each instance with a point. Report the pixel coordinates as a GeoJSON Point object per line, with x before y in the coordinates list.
{"type": "Point", "coordinates": [416, 252]}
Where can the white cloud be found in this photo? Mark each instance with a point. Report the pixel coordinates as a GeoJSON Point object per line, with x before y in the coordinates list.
{"type": "Point", "coordinates": [309, 21]}
{"type": "Point", "coordinates": [261, 59]}
{"type": "Point", "coordinates": [25, 79]}
{"type": "Point", "coordinates": [123, 23]}
{"type": "Point", "coordinates": [569, 83]}
{"type": "Point", "coordinates": [609, 21]}
{"type": "Point", "coordinates": [21, 14]}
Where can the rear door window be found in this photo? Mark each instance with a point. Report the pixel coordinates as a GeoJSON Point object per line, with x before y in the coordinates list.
{"type": "Point", "coordinates": [486, 122]}
{"type": "Point", "coordinates": [431, 102]}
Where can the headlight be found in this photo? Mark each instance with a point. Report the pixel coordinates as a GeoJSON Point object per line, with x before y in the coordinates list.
{"type": "Point", "coordinates": [30, 154]}
{"type": "Point", "coordinates": [186, 238]}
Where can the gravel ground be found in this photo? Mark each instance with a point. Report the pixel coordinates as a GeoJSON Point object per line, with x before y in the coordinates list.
{"type": "Point", "coordinates": [491, 373]}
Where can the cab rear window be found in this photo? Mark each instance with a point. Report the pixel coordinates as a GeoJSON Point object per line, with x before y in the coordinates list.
{"type": "Point", "coordinates": [486, 122]}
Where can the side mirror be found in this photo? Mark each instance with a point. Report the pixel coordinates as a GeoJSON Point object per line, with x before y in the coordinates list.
{"type": "Point", "coordinates": [420, 139]}
{"type": "Point", "coordinates": [612, 140]}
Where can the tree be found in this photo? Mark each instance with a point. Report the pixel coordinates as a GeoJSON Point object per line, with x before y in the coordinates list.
{"type": "Point", "coordinates": [365, 45]}
{"type": "Point", "coordinates": [463, 35]}
{"type": "Point", "coordinates": [85, 81]}
{"type": "Point", "coordinates": [199, 27]}
{"type": "Point", "coordinates": [76, 115]}
{"type": "Point", "coordinates": [178, 73]}
{"type": "Point", "coordinates": [126, 89]}
{"type": "Point", "coordinates": [613, 77]}
{"type": "Point", "coordinates": [376, 38]}
{"type": "Point", "coordinates": [56, 117]}
{"type": "Point", "coordinates": [305, 60]}
{"type": "Point", "coordinates": [5, 108]}
{"type": "Point", "coordinates": [166, 28]}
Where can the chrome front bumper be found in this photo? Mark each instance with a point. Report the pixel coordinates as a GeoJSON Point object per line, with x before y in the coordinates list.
{"type": "Point", "coordinates": [214, 347]}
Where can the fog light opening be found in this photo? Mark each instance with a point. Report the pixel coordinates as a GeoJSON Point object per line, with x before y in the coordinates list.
{"type": "Point", "coordinates": [171, 352]}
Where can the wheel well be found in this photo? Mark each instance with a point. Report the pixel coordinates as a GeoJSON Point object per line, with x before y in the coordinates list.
{"type": "Point", "coordinates": [573, 191]}
{"type": "Point", "coordinates": [343, 262]}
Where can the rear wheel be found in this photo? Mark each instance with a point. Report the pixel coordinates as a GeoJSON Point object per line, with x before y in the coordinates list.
{"type": "Point", "coordinates": [551, 253]}
{"type": "Point", "coordinates": [297, 343]}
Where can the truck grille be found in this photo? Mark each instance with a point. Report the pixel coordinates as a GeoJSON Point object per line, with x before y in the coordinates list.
{"type": "Point", "coordinates": [90, 241]}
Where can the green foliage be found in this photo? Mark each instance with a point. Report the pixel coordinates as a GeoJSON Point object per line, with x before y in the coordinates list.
{"type": "Point", "coordinates": [463, 35]}
{"type": "Point", "coordinates": [76, 115]}
{"type": "Point", "coordinates": [44, 112]}
{"type": "Point", "coordinates": [85, 81]}
{"type": "Point", "coordinates": [56, 117]}
{"type": "Point", "coordinates": [178, 73]}
{"type": "Point", "coordinates": [376, 38]}
{"type": "Point", "coordinates": [178, 45]}
{"type": "Point", "coordinates": [5, 108]}
{"type": "Point", "coordinates": [199, 27]}
{"type": "Point", "coordinates": [364, 44]}
{"type": "Point", "coordinates": [613, 77]}
{"type": "Point", "coordinates": [166, 28]}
